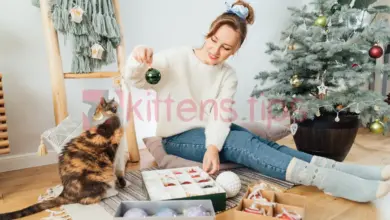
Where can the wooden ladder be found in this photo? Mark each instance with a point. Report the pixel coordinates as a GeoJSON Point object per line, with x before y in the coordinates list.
{"type": "Point", "coordinates": [57, 76]}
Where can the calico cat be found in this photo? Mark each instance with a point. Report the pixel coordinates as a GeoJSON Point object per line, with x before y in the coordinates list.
{"type": "Point", "coordinates": [86, 168]}
{"type": "Point", "coordinates": [104, 110]}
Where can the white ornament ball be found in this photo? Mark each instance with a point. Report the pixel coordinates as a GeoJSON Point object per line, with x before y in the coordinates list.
{"type": "Point", "coordinates": [230, 182]}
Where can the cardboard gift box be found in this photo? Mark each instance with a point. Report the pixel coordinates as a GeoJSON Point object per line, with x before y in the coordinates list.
{"type": "Point", "coordinates": [271, 204]}
{"type": "Point", "coordinates": [187, 183]}
{"type": "Point", "coordinates": [152, 207]}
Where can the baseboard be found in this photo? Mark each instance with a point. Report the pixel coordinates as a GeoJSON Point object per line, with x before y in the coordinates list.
{"type": "Point", "coordinates": [22, 161]}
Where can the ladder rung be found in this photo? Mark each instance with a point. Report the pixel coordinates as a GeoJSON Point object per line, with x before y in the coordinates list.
{"type": "Point", "coordinates": [90, 75]}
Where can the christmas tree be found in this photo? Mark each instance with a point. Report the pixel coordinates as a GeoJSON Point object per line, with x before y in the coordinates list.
{"type": "Point", "coordinates": [324, 61]}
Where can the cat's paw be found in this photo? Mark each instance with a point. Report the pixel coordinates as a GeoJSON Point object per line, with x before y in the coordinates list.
{"type": "Point", "coordinates": [120, 182]}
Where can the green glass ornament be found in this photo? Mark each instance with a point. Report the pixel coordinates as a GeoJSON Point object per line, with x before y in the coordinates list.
{"type": "Point", "coordinates": [153, 76]}
{"type": "Point", "coordinates": [335, 7]}
{"type": "Point", "coordinates": [321, 21]}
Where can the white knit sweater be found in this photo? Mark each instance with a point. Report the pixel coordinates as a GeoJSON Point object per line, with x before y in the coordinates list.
{"type": "Point", "coordinates": [191, 93]}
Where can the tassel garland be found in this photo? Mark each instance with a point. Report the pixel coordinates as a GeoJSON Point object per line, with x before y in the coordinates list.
{"type": "Point", "coordinates": [87, 23]}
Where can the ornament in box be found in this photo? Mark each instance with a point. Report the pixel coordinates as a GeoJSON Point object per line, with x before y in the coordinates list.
{"type": "Point", "coordinates": [76, 14]}
{"type": "Point", "coordinates": [97, 51]}
{"type": "Point", "coordinates": [286, 215]}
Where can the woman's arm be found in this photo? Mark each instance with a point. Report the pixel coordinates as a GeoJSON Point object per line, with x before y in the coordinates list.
{"type": "Point", "coordinates": [218, 128]}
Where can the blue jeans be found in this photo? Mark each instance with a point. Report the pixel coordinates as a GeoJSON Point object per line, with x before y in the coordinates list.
{"type": "Point", "coordinates": [241, 147]}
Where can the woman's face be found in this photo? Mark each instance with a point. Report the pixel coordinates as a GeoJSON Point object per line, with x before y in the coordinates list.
{"type": "Point", "coordinates": [220, 46]}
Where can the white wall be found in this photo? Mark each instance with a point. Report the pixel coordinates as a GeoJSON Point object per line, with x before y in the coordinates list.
{"type": "Point", "coordinates": [160, 24]}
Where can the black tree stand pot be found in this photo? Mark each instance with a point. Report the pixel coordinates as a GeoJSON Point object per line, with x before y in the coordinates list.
{"type": "Point", "coordinates": [325, 137]}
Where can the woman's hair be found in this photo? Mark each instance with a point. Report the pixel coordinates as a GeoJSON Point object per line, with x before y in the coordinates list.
{"type": "Point", "coordinates": [234, 21]}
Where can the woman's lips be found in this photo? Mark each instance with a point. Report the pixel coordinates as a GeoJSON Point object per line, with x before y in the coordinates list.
{"type": "Point", "coordinates": [212, 57]}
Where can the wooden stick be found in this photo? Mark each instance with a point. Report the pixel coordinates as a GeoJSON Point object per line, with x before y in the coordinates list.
{"type": "Point", "coordinates": [91, 75]}
{"type": "Point", "coordinates": [4, 144]}
{"type": "Point", "coordinates": [120, 51]}
{"type": "Point", "coordinates": [55, 64]}
{"type": "Point", "coordinates": [3, 118]}
{"type": "Point", "coordinates": [3, 134]}
{"type": "Point", "coordinates": [3, 127]}
{"type": "Point", "coordinates": [5, 150]}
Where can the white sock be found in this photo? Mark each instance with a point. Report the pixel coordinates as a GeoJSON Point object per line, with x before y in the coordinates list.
{"type": "Point", "coordinates": [336, 183]}
{"type": "Point", "coordinates": [363, 171]}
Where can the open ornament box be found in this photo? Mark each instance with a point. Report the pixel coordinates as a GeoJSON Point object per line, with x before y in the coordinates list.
{"type": "Point", "coordinates": [190, 183]}
{"type": "Point", "coordinates": [260, 203]}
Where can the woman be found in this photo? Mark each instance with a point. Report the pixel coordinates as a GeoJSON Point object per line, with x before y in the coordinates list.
{"type": "Point", "coordinates": [197, 89]}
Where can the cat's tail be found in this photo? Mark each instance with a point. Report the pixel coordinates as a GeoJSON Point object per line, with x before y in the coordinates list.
{"type": "Point", "coordinates": [46, 204]}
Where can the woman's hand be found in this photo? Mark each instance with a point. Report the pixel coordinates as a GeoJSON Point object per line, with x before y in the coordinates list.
{"type": "Point", "coordinates": [143, 55]}
{"type": "Point", "coordinates": [211, 160]}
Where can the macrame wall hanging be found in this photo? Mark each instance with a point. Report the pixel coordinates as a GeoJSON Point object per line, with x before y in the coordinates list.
{"type": "Point", "coordinates": [91, 26]}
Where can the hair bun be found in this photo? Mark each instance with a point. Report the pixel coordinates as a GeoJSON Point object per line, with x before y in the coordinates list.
{"type": "Point", "coordinates": [250, 18]}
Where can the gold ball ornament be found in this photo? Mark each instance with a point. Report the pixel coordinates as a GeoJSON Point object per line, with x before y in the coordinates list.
{"type": "Point", "coordinates": [377, 127]}
{"type": "Point", "coordinates": [321, 21]}
{"type": "Point", "coordinates": [294, 46]}
{"type": "Point", "coordinates": [295, 81]}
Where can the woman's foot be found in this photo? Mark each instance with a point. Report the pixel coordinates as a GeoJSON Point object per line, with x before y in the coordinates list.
{"type": "Point", "coordinates": [336, 183]}
{"type": "Point", "coordinates": [363, 171]}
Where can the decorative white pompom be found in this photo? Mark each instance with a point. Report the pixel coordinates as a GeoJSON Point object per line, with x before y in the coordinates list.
{"type": "Point", "coordinates": [230, 182]}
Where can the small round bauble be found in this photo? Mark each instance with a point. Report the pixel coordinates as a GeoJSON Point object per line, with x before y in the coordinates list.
{"type": "Point", "coordinates": [335, 7]}
{"type": "Point", "coordinates": [295, 81]}
{"type": "Point", "coordinates": [166, 212]}
{"type": "Point", "coordinates": [196, 211]}
{"type": "Point", "coordinates": [230, 182]}
{"type": "Point", "coordinates": [321, 21]}
{"type": "Point", "coordinates": [376, 51]}
{"type": "Point", "coordinates": [153, 76]}
{"type": "Point", "coordinates": [377, 127]}
{"type": "Point", "coordinates": [135, 213]}
{"type": "Point", "coordinates": [295, 46]}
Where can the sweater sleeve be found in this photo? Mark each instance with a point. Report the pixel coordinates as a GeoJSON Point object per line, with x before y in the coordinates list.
{"type": "Point", "coordinates": [134, 73]}
{"type": "Point", "coordinates": [218, 128]}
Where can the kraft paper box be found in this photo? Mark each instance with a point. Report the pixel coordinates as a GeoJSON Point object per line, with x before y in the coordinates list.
{"type": "Point", "coordinates": [187, 183]}
{"type": "Point", "coordinates": [152, 207]}
{"type": "Point", "coordinates": [279, 202]}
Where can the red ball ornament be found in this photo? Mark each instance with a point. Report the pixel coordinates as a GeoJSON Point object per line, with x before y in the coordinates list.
{"type": "Point", "coordinates": [354, 65]}
{"type": "Point", "coordinates": [376, 51]}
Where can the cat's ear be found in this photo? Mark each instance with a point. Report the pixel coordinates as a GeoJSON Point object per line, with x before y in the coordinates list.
{"type": "Point", "coordinates": [103, 101]}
